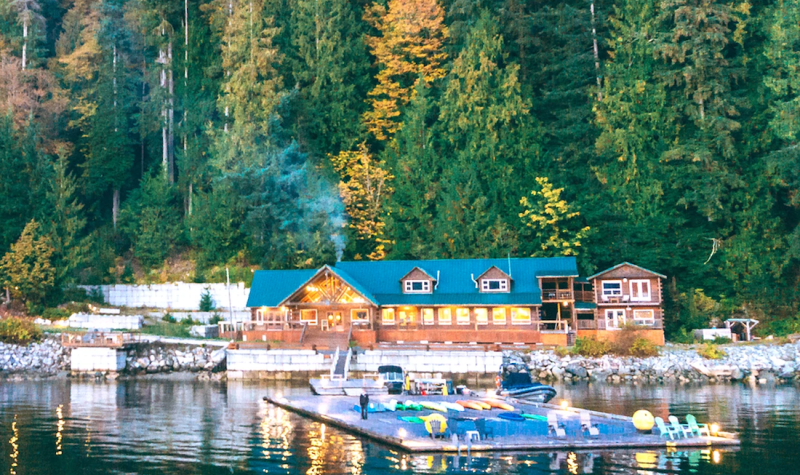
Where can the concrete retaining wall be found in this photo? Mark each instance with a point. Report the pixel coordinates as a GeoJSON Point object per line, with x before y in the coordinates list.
{"type": "Point", "coordinates": [178, 295]}
{"type": "Point", "coordinates": [254, 361]}
{"type": "Point", "coordinates": [97, 359]}
{"type": "Point", "coordinates": [110, 322]}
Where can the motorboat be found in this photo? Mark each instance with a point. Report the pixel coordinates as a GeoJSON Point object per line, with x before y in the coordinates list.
{"type": "Point", "coordinates": [514, 380]}
{"type": "Point", "coordinates": [393, 378]}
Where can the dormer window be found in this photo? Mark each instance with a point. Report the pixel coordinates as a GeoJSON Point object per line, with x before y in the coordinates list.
{"type": "Point", "coordinates": [417, 286]}
{"type": "Point", "coordinates": [494, 285]}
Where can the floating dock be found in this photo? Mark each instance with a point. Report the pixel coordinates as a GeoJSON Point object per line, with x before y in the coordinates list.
{"type": "Point", "coordinates": [616, 432]}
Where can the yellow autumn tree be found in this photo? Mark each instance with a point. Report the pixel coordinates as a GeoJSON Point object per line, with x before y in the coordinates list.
{"type": "Point", "coordinates": [412, 33]}
{"type": "Point", "coordinates": [554, 223]}
{"type": "Point", "coordinates": [364, 185]}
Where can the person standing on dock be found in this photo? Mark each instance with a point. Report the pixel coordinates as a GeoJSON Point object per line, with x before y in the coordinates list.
{"type": "Point", "coordinates": [364, 401]}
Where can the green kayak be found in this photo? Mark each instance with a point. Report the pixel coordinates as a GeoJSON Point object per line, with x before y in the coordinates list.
{"type": "Point", "coordinates": [534, 417]}
{"type": "Point", "coordinates": [411, 419]}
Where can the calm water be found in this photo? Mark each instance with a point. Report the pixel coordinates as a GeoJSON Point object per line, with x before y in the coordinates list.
{"type": "Point", "coordinates": [155, 427]}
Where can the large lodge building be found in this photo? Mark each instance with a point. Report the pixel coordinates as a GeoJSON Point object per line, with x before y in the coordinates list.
{"type": "Point", "coordinates": [483, 301]}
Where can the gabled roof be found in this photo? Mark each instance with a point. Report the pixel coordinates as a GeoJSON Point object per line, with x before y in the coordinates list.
{"type": "Point", "coordinates": [354, 284]}
{"type": "Point", "coordinates": [625, 264]}
{"type": "Point", "coordinates": [493, 267]}
{"type": "Point", "coordinates": [419, 269]}
{"type": "Point", "coordinates": [377, 281]}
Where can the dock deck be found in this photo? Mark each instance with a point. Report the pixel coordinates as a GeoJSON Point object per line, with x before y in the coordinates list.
{"type": "Point", "coordinates": [615, 431]}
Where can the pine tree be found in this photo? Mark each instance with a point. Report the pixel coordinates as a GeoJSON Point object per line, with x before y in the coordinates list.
{"type": "Point", "coordinates": [26, 269]}
{"type": "Point", "coordinates": [13, 190]}
{"type": "Point", "coordinates": [410, 45]}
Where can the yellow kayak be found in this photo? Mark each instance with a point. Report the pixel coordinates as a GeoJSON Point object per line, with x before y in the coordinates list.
{"type": "Point", "coordinates": [433, 406]}
{"type": "Point", "coordinates": [499, 405]}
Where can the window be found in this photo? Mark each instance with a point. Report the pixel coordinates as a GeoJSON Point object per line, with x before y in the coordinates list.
{"type": "Point", "coordinates": [427, 316]}
{"type": "Point", "coordinates": [494, 285]}
{"type": "Point", "coordinates": [499, 316]}
{"type": "Point", "coordinates": [615, 318]}
{"type": "Point", "coordinates": [481, 316]}
{"type": "Point", "coordinates": [260, 315]}
{"type": "Point", "coordinates": [309, 316]}
{"type": "Point", "coordinates": [640, 290]}
{"type": "Point", "coordinates": [407, 316]}
{"type": "Point", "coordinates": [645, 318]}
{"type": "Point", "coordinates": [462, 316]}
{"type": "Point", "coordinates": [420, 286]}
{"type": "Point", "coordinates": [612, 288]}
{"type": "Point", "coordinates": [359, 316]}
{"type": "Point", "coordinates": [520, 316]}
{"type": "Point", "coordinates": [445, 316]}
{"type": "Point", "coordinates": [387, 316]}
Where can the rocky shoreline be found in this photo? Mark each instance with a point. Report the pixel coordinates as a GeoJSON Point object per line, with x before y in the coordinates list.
{"type": "Point", "coordinates": [754, 364]}
{"type": "Point", "coordinates": [49, 359]}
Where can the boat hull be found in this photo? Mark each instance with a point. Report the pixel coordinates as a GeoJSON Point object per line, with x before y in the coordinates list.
{"type": "Point", "coordinates": [538, 393]}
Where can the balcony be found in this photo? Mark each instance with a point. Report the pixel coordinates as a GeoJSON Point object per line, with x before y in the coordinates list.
{"type": "Point", "coordinates": [553, 295]}
{"type": "Point", "coordinates": [553, 326]}
{"type": "Point", "coordinates": [584, 296]}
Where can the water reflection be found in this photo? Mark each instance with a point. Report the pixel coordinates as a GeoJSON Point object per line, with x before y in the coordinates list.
{"type": "Point", "coordinates": [143, 427]}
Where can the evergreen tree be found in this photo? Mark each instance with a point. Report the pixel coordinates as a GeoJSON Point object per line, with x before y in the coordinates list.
{"type": "Point", "coordinates": [26, 269]}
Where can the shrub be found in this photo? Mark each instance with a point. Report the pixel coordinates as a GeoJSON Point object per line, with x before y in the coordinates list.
{"type": "Point", "coordinates": [215, 319]}
{"type": "Point", "coordinates": [721, 340]}
{"type": "Point", "coordinates": [642, 347]}
{"type": "Point", "coordinates": [710, 351]}
{"type": "Point", "coordinates": [96, 295]}
{"type": "Point", "coordinates": [561, 351]}
{"type": "Point", "coordinates": [167, 329]}
{"type": "Point", "coordinates": [206, 302]}
{"type": "Point", "coordinates": [56, 313]}
{"type": "Point", "coordinates": [590, 347]}
{"type": "Point", "coordinates": [73, 294]}
{"type": "Point", "coordinates": [168, 318]}
{"type": "Point", "coordinates": [19, 330]}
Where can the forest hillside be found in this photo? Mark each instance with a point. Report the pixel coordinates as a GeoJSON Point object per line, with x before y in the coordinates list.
{"type": "Point", "coordinates": [146, 140]}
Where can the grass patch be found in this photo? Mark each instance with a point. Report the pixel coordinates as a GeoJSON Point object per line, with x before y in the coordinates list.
{"type": "Point", "coordinates": [176, 330]}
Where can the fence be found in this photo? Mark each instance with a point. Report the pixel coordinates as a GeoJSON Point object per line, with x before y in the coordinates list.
{"type": "Point", "coordinates": [178, 295]}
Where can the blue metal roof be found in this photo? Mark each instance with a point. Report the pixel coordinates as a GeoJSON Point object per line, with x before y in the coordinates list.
{"type": "Point", "coordinates": [270, 287]}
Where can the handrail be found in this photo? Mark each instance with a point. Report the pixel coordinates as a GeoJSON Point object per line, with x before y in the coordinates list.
{"type": "Point", "coordinates": [349, 334]}
{"type": "Point", "coordinates": [347, 363]}
{"type": "Point", "coordinates": [303, 333]}
{"type": "Point", "coordinates": [335, 361]}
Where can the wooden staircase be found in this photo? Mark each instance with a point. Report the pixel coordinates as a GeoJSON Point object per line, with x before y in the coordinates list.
{"type": "Point", "coordinates": [329, 340]}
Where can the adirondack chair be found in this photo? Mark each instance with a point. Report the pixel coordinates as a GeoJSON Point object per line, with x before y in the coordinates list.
{"type": "Point", "coordinates": [678, 428]}
{"type": "Point", "coordinates": [697, 429]}
{"type": "Point", "coordinates": [555, 427]}
{"type": "Point", "coordinates": [436, 429]}
{"type": "Point", "coordinates": [483, 429]}
{"type": "Point", "coordinates": [665, 430]}
{"type": "Point", "coordinates": [586, 425]}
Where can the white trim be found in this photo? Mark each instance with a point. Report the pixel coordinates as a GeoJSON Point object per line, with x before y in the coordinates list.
{"type": "Point", "coordinates": [358, 320]}
{"type": "Point", "coordinates": [615, 317]}
{"type": "Point", "coordinates": [459, 321]}
{"type": "Point", "coordinates": [384, 312]}
{"type": "Point", "coordinates": [642, 296]}
{"type": "Point", "coordinates": [485, 287]}
{"type": "Point", "coordinates": [611, 291]}
{"type": "Point", "coordinates": [409, 284]}
{"type": "Point", "coordinates": [315, 321]}
{"type": "Point", "coordinates": [644, 321]}
{"type": "Point", "coordinates": [505, 316]}
{"type": "Point", "coordinates": [485, 311]}
{"type": "Point", "coordinates": [520, 322]}
{"type": "Point", "coordinates": [450, 315]}
{"type": "Point", "coordinates": [433, 316]}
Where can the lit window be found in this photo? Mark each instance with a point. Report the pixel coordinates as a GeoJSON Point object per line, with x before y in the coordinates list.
{"type": "Point", "coordinates": [494, 285]}
{"type": "Point", "coordinates": [615, 318]}
{"type": "Point", "coordinates": [481, 316]}
{"type": "Point", "coordinates": [640, 290]}
{"type": "Point", "coordinates": [462, 316]}
{"type": "Point", "coordinates": [445, 316]}
{"type": "Point", "coordinates": [520, 316]}
{"type": "Point", "coordinates": [499, 316]}
{"type": "Point", "coordinates": [427, 316]}
{"type": "Point", "coordinates": [387, 316]}
{"type": "Point", "coordinates": [407, 316]}
{"type": "Point", "coordinates": [612, 288]}
{"type": "Point", "coordinates": [309, 316]}
{"type": "Point", "coordinates": [421, 286]}
{"type": "Point", "coordinates": [359, 316]}
{"type": "Point", "coordinates": [644, 318]}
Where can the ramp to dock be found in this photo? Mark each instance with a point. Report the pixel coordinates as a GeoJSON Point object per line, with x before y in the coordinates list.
{"type": "Point", "coordinates": [615, 431]}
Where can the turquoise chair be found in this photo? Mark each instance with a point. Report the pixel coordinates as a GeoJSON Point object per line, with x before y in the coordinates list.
{"type": "Point", "coordinates": [678, 428]}
{"type": "Point", "coordinates": [697, 429]}
{"type": "Point", "coordinates": [664, 429]}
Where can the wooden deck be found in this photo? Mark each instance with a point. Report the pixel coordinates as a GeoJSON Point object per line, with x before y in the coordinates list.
{"type": "Point", "coordinates": [615, 431]}
{"type": "Point", "coordinates": [99, 339]}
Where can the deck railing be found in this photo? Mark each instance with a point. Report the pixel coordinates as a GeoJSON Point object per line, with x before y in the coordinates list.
{"type": "Point", "coordinates": [552, 295]}
{"type": "Point", "coordinates": [99, 339]}
{"type": "Point", "coordinates": [554, 326]}
{"type": "Point", "coordinates": [584, 296]}
{"type": "Point", "coordinates": [587, 325]}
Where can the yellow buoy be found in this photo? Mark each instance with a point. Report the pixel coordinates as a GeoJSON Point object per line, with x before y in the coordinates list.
{"type": "Point", "coordinates": [643, 420]}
